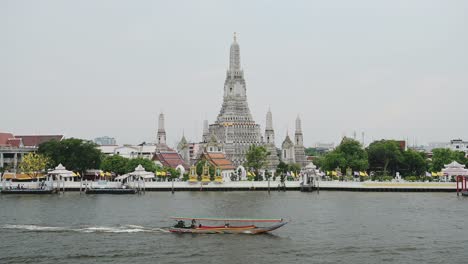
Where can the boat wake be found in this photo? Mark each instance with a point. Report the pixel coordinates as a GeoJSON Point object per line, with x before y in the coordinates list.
{"type": "Point", "coordinates": [87, 229]}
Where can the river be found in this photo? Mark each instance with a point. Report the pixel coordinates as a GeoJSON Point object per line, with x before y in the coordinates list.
{"type": "Point", "coordinates": [330, 227]}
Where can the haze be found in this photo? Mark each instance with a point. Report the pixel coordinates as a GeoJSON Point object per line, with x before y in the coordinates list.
{"type": "Point", "coordinates": [393, 69]}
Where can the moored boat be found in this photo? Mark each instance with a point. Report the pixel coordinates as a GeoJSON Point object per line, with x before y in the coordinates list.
{"type": "Point", "coordinates": [111, 191]}
{"type": "Point", "coordinates": [28, 191]}
{"type": "Point", "coordinates": [228, 226]}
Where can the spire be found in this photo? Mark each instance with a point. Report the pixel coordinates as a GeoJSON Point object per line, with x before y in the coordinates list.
{"type": "Point", "coordinates": [298, 125]}
{"type": "Point", "coordinates": [234, 58]}
{"type": "Point", "coordinates": [206, 131]}
{"type": "Point", "coordinates": [205, 127]}
{"type": "Point", "coordinates": [269, 120]}
{"type": "Point", "coordinates": [161, 136]}
{"type": "Point", "coordinates": [161, 122]}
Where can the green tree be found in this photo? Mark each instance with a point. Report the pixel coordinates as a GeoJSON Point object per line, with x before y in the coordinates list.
{"type": "Point", "coordinates": [149, 165]}
{"type": "Point", "coordinates": [33, 163]}
{"type": "Point", "coordinates": [75, 154]}
{"type": "Point", "coordinates": [311, 152]}
{"type": "Point", "coordinates": [200, 165]}
{"type": "Point", "coordinates": [115, 163]}
{"type": "Point", "coordinates": [282, 167]}
{"type": "Point", "coordinates": [256, 159]}
{"type": "Point", "coordinates": [385, 155]}
{"type": "Point", "coordinates": [413, 163]}
{"type": "Point", "coordinates": [349, 154]}
{"type": "Point", "coordinates": [285, 168]}
{"type": "Point", "coordinates": [442, 156]}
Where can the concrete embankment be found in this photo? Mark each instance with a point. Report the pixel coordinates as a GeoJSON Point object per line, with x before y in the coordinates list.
{"type": "Point", "coordinates": [274, 185]}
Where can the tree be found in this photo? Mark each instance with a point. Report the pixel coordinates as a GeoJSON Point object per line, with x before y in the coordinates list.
{"type": "Point", "coordinates": [384, 155]}
{"type": "Point", "coordinates": [442, 156]}
{"type": "Point", "coordinates": [200, 166]}
{"type": "Point", "coordinates": [75, 154]}
{"type": "Point", "coordinates": [33, 163]}
{"type": "Point", "coordinates": [149, 165]}
{"type": "Point", "coordinates": [349, 154]}
{"type": "Point", "coordinates": [284, 168]}
{"type": "Point", "coordinates": [256, 159]}
{"type": "Point", "coordinates": [311, 152]}
{"type": "Point", "coordinates": [413, 163]}
{"type": "Point", "coordinates": [115, 163]}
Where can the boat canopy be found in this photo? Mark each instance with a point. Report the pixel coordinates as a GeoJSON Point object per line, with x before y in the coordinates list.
{"type": "Point", "coordinates": [229, 219]}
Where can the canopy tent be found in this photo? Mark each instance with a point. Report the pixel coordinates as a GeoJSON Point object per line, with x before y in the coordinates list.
{"type": "Point", "coordinates": [141, 173]}
{"type": "Point", "coordinates": [21, 176]}
{"type": "Point", "coordinates": [61, 171]}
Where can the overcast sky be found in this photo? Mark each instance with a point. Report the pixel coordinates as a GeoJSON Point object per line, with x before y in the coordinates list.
{"type": "Point", "coordinates": [392, 69]}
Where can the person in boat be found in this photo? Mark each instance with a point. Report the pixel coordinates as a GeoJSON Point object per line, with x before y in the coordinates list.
{"type": "Point", "coordinates": [180, 224]}
{"type": "Point", "coordinates": [194, 223]}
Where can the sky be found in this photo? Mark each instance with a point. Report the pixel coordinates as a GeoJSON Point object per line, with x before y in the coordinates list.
{"type": "Point", "coordinates": [391, 69]}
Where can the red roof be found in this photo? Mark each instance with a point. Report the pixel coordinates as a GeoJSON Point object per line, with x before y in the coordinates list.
{"type": "Point", "coordinates": [14, 142]}
{"type": "Point", "coordinates": [36, 140]}
{"type": "Point", "coordinates": [219, 160]}
{"type": "Point", "coordinates": [170, 159]}
{"type": "Point", "coordinates": [4, 137]}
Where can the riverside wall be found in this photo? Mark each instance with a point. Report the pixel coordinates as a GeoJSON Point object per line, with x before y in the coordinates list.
{"type": "Point", "coordinates": [367, 186]}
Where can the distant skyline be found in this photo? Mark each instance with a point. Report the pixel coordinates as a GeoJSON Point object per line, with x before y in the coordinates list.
{"type": "Point", "coordinates": [392, 69]}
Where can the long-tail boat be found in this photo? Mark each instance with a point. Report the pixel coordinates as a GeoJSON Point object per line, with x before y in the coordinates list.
{"type": "Point", "coordinates": [228, 225]}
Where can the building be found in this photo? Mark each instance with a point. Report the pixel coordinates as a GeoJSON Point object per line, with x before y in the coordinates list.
{"type": "Point", "coordinates": [161, 144]}
{"type": "Point", "coordinates": [169, 159]}
{"type": "Point", "coordinates": [13, 148]}
{"type": "Point", "coordinates": [105, 141]}
{"type": "Point", "coordinates": [458, 145]}
{"type": "Point", "coordinates": [130, 151]}
{"type": "Point", "coordinates": [183, 148]}
{"type": "Point", "coordinates": [294, 152]}
{"type": "Point", "coordinates": [272, 159]}
{"type": "Point", "coordinates": [299, 150]}
{"type": "Point", "coordinates": [235, 127]}
{"type": "Point", "coordinates": [287, 151]}
{"type": "Point", "coordinates": [218, 160]}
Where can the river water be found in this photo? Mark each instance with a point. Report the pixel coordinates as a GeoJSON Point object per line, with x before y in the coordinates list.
{"type": "Point", "coordinates": [330, 227]}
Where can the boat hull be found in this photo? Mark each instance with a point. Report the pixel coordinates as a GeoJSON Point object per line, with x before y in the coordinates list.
{"type": "Point", "coordinates": [110, 191]}
{"type": "Point", "coordinates": [227, 230]}
{"type": "Point", "coordinates": [28, 191]}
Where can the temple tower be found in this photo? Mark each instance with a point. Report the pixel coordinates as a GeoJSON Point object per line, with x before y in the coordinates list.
{"type": "Point", "coordinates": [234, 127]}
{"type": "Point", "coordinates": [161, 135]}
{"type": "Point", "coordinates": [161, 130]}
{"type": "Point", "coordinates": [272, 159]}
{"type": "Point", "coordinates": [206, 131]}
{"type": "Point", "coordinates": [299, 149]}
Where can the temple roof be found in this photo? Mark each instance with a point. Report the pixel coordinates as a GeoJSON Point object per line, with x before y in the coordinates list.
{"type": "Point", "coordinates": [218, 160]}
{"type": "Point", "coordinates": [4, 137]}
{"type": "Point", "coordinates": [36, 140]}
{"type": "Point", "coordinates": [287, 142]}
{"type": "Point", "coordinates": [170, 159]}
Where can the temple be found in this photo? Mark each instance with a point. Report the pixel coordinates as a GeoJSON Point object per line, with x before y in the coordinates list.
{"type": "Point", "coordinates": [294, 152]}
{"type": "Point", "coordinates": [235, 127]}
{"type": "Point", "coordinates": [272, 159]}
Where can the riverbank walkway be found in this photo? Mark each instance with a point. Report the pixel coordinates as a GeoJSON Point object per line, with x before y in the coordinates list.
{"type": "Point", "coordinates": [367, 186]}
